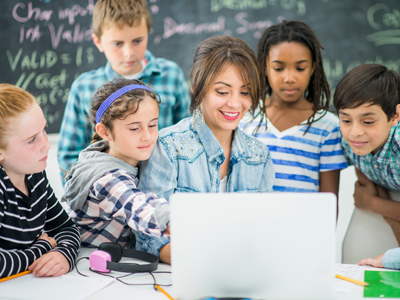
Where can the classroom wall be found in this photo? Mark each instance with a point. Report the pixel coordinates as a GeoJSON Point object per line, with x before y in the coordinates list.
{"type": "Point", "coordinates": [53, 170]}
{"type": "Point", "coordinates": [48, 43]}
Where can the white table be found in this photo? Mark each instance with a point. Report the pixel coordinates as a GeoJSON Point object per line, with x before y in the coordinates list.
{"type": "Point", "coordinates": [117, 290]}
{"type": "Point", "coordinates": [120, 291]}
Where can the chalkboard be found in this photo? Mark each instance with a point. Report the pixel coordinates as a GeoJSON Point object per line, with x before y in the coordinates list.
{"type": "Point", "coordinates": [46, 44]}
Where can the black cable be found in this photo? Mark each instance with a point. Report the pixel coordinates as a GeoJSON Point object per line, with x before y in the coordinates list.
{"type": "Point", "coordinates": [126, 275]}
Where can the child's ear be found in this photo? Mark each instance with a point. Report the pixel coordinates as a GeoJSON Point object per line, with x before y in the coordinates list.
{"type": "Point", "coordinates": [103, 132]}
{"type": "Point", "coordinates": [396, 117]}
{"type": "Point", "coordinates": [97, 42]}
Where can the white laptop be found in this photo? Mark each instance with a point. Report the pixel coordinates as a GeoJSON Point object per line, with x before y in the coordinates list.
{"type": "Point", "coordinates": [253, 245]}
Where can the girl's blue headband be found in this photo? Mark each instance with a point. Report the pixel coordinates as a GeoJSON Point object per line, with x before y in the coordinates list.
{"type": "Point", "coordinates": [114, 96]}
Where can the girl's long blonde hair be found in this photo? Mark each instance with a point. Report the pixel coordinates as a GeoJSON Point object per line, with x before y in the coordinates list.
{"type": "Point", "coordinates": [13, 101]}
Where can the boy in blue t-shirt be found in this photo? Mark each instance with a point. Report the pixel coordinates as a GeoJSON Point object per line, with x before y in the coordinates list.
{"type": "Point", "coordinates": [120, 30]}
{"type": "Point", "coordinates": [367, 100]}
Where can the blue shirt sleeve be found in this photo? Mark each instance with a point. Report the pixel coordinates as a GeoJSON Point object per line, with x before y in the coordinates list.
{"type": "Point", "coordinates": [76, 130]}
{"type": "Point", "coordinates": [391, 259]}
{"type": "Point", "coordinates": [158, 174]}
{"type": "Point", "coordinates": [150, 244]}
{"type": "Point", "coordinates": [268, 177]}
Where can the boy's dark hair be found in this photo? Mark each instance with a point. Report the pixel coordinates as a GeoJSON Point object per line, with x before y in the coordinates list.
{"type": "Point", "coordinates": [109, 13]}
{"type": "Point", "coordinates": [122, 107]}
{"type": "Point", "coordinates": [369, 83]}
{"type": "Point", "coordinates": [318, 92]}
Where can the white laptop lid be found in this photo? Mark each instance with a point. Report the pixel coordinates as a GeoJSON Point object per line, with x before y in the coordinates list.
{"type": "Point", "coordinates": [260, 246]}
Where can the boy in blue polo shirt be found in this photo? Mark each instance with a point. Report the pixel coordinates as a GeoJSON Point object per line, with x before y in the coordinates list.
{"type": "Point", "coordinates": [120, 30]}
{"type": "Point", "coordinates": [367, 100]}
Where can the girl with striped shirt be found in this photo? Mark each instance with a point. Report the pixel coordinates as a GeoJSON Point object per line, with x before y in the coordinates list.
{"type": "Point", "coordinates": [36, 233]}
{"type": "Point", "coordinates": [302, 136]}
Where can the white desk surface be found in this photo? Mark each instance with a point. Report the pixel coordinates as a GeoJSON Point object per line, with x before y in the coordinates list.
{"type": "Point", "coordinates": [117, 290]}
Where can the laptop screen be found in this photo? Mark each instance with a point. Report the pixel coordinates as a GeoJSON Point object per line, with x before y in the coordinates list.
{"type": "Point", "coordinates": [253, 245]}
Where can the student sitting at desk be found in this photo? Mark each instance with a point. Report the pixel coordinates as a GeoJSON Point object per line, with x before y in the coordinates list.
{"type": "Point", "coordinates": [36, 233]}
{"type": "Point", "coordinates": [101, 188]}
{"type": "Point", "coordinates": [367, 100]}
{"type": "Point", "coordinates": [208, 152]}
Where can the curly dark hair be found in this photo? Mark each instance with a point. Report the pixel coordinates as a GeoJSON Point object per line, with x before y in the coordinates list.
{"type": "Point", "coordinates": [318, 91]}
{"type": "Point", "coordinates": [122, 107]}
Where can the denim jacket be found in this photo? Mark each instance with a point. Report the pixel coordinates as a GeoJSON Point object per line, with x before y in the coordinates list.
{"type": "Point", "coordinates": [187, 158]}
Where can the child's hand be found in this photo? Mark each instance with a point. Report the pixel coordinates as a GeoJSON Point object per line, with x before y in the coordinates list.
{"type": "Point", "coordinates": [45, 237]}
{"type": "Point", "coordinates": [165, 253]}
{"type": "Point", "coordinates": [167, 230]}
{"type": "Point", "coordinates": [361, 177]}
{"type": "Point", "coordinates": [375, 262]}
{"type": "Point", "coordinates": [364, 191]}
{"type": "Point", "coordinates": [51, 264]}
{"type": "Point", "coordinates": [382, 192]}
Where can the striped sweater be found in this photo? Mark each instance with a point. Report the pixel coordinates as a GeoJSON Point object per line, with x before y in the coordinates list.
{"type": "Point", "coordinates": [24, 218]}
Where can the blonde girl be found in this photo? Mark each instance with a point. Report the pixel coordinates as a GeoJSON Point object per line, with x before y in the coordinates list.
{"type": "Point", "coordinates": [36, 233]}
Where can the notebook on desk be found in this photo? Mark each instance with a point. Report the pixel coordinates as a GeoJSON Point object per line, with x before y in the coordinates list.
{"type": "Point", "coordinates": [260, 246]}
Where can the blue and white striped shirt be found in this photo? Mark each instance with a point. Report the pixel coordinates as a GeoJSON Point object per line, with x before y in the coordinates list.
{"type": "Point", "coordinates": [383, 168]}
{"type": "Point", "coordinates": [298, 158]}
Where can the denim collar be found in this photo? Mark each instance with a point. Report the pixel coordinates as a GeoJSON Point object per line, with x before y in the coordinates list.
{"type": "Point", "coordinates": [212, 146]}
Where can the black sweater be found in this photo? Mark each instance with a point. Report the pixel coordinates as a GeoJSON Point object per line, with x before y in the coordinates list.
{"type": "Point", "coordinates": [24, 218]}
